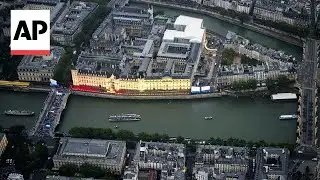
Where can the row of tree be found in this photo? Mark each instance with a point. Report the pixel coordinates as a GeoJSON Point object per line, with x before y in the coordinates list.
{"type": "Point", "coordinates": [301, 31]}
{"type": "Point", "coordinates": [86, 170]}
{"type": "Point", "coordinates": [107, 133]}
{"type": "Point", "coordinates": [244, 85]}
{"type": "Point", "coordinates": [281, 83]}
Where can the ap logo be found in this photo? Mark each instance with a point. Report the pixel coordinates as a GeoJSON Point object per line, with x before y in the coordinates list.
{"type": "Point", "coordinates": [30, 32]}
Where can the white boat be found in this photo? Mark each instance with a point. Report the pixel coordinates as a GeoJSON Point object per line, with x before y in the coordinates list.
{"type": "Point", "coordinates": [208, 117]}
{"type": "Point", "coordinates": [124, 117]}
{"type": "Point", "coordinates": [288, 117]}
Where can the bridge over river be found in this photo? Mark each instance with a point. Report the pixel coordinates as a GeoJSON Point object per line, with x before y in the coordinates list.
{"type": "Point", "coordinates": [50, 114]}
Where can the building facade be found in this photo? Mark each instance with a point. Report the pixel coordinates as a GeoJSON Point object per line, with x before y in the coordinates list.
{"type": "Point", "coordinates": [40, 68]}
{"type": "Point", "coordinates": [3, 143]}
{"type": "Point", "coordinates": [113, 84]}
{"type": "Point", "coordinates": [71, 20]}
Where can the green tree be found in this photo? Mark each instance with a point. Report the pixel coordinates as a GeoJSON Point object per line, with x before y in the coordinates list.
{"type": "Point", "coordinates": [180, 139]}
{"type": "Point", "coordinates": [228, 56]}
{"type": "Point", "coordinates": [144, 136]}
{"type": "Point", "coordinates": [68, 170]}
{"type": "Point", "coordinates": [88, 170]}
{"type": "Point", "coordinates": [125, 135]}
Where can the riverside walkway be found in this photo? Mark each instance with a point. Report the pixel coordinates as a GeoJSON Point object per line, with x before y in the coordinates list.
{"type": "Point", "coordinates": [50, 114]}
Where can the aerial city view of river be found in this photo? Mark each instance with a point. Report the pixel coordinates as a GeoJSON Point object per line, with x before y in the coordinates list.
{"type": "Point", "coordinates": [251, 119]}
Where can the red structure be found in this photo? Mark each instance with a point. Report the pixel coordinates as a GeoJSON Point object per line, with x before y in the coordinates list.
{"type": "Point", "coordinates": [85, 88]}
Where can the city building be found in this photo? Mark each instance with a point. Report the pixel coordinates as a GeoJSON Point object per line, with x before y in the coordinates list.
{"type": "Point", "coordinates": [67, 178]}
{"type": "Point", "coordinates": [70, 22]}
{"type": "Point", "coordinates": [40, 68]}
{"type": "Point", "coordinates": [272, 63]}
{"type": "Point", "coordinates": [167, 158]}
{"type": "Point", "coordinates": [56, 7]}
{"type": "Point", "coordinates": [256, 51]}
{"type": "Point", "coordinates": [106, 154]}
{"type": "Point", "coordinates": [243, 72]}
{"type": "Point", "coordinates": [220, 162]}
{"type": "Point", "coordinates": [272, 163]}
{"type": "Point", "coordinates": [137, 21]}
{"type": "Point", "coordinates": [3, 143]}
{"type": "Point", "coordinates": [15, 176]}
{"type": "Point", "coordinates": [131, 173]}
{"type": "Point", "coordinates": [147, 60]}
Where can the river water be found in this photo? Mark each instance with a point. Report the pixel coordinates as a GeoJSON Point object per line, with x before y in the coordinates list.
{"type": "Point", "coordinates": [243, 118]}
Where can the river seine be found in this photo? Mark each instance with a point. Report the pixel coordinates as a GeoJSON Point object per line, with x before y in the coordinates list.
{"type": "Point", "coordinates": [251, 119]}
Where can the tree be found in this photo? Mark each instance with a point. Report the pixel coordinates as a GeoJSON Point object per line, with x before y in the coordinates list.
{"type": "Point", "coordinates": [228, 56]}
{"type": "Point", "coordinates": [88, 170]}
{"type": "Point", "coordinates": [68, 170]}
{"type": "Point", "coordinates": [17, 129]}
{"type": "Point", "coordinates": [144, 136]}
{"type": "Point", "coordinates": [125, 135]}
{"type": "Point", "coordinates": [180, 139]}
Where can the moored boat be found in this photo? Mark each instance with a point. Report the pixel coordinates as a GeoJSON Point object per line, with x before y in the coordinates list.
{"type": "Point", "coordinates": [18, 113]}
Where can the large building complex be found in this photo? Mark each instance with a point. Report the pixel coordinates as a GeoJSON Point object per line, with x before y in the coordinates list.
{"type": "Point", "coordinates": [105, 154]}
{"type": "Point", "coordinates": [39, 68]}
{"type": "Point", "coordinates": [70, 22]}
{"type": "Point", "coordinates": [133, 52]}
{"type": "Point", "coordinates": [272, 163]}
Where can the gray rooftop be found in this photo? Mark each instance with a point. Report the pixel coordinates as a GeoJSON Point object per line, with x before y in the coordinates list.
{"type": "Point", "coordinates": [272, 161]}
{"type": "Point", "coordinates": [105, 151]}
{"type": "Point", "coordinates": [174, 50]}
{"type": "Point", "coordinates": [71, 19]}
{"type": "Point", "coordinates": [67, 178]}
{"type": "Point", "coordinates": [222, 154]}
{"type": "Point", "coordinates": [53, 2]}
{"type": "Point", "coordinates": [171, 156]}
{"type": "Point", "coordinates": [42, 63]}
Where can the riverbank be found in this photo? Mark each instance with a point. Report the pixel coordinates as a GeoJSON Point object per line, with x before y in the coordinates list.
{"type": "Point", "coordinates": [277, 34]}
{"type": "Point", "coordinates": [136, 97]}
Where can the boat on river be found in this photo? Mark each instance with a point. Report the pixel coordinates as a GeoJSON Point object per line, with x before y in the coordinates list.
{"type": "Point", "coordinates": [208, 118]}
{"type": "Point", "coordinates": [18, 113]}
{"type": "Point", "coordinates": [124, 117]}
{"type": "Point", "coordinates": [288, 117]}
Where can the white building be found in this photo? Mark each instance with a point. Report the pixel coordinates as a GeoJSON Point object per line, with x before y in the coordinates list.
{"type": "Point", "coordinates": [187, 30]}
{"type": "Point", "coordinates": [15, 176]}
{"type": "Point", "coordinates": [201, 175]}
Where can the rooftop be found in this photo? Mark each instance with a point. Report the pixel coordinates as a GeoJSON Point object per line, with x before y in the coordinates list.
{"type": "Point", "coordinates": [105, 151]}
{"type": "Point", "coordinates": [67, 178]}
{"type": "Point", "coordinates": [71, 19]}
{"type": "Point", "coordinates": [186, 28]}
{"type": "Point", "coordinates": [53, 2]}
{"type": "Point", "coordinates": [42, 63]}
{"type": "Point", "coordinates": [222, 154]}
{"type": "Point", "coordinates": [272, 162]}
